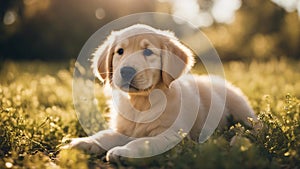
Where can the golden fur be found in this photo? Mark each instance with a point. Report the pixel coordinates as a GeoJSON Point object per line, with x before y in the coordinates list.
{"type": "Point", "coordinates": [134, 107]}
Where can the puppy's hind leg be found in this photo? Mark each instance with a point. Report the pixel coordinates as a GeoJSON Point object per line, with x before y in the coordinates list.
{"type": "Point", "coordinates": [238, 106]}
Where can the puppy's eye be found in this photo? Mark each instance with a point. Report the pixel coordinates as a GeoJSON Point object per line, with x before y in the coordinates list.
{"type": "Point", "coordinates": [147, 52]}
{"type": "Point", "coordinates": [120, 51]}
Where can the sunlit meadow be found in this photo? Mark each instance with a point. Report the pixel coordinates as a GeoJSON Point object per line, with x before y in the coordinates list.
{"type": "Point", "coordinates": [36, 113]}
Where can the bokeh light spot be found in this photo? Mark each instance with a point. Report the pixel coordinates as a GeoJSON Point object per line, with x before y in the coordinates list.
{"type": "Point", "coordinates": [289, 5]}
{"type": "Point", "coordinates": [223, 10]}
{"type": "Point", "coordinates": [100, 13]}
{"type": "Point", "coordinates": [10, 17]}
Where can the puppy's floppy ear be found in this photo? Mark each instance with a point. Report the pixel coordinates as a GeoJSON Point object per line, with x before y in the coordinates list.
{"type": "Point", "coordinates": [177, 59]}
{"type": "Point", "coordinates": [102, 60]}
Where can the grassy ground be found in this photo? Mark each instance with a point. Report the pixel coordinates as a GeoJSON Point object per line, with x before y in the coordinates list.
{"type": "Point", "coordinates": [36, 112]}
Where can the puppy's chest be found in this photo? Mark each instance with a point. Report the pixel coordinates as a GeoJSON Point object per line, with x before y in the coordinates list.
{"type": "Point", "coordinates": [145, 116]}
{"type": "Point", "coordinates": [131, 128]}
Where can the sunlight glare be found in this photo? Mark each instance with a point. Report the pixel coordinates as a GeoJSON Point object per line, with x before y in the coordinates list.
{"type": "Point", "coordinates": [224, 10]}
{"type": "Point", "coordinates": [191, 12]}
{"type": "Point", "coordinates": [288, 5]}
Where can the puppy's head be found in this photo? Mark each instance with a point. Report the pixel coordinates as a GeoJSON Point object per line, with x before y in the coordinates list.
{"type": "Point", "coordinates": [140, 58]}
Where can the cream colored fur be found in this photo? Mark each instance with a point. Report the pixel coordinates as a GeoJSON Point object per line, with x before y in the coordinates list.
{"type": "Point", "coordinates": [140, 115]}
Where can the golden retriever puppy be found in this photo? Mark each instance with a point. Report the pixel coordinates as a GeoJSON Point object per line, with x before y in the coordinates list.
{"type": "Point", "coordinates": [155, 101]}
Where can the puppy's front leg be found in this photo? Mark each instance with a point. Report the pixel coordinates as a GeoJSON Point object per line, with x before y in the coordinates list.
{"type": "Point", "coordinates": [145, 147]}
{"type": "Point", "coordinates": [98, 143]}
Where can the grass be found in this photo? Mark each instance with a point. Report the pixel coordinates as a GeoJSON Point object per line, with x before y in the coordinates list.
{"type": "Point", "coordinates": [36, 112]}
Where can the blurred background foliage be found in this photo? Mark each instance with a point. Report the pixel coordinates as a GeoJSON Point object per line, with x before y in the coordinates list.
{"type": "Point", "coordinates": [239, 29]}
{"type": "Point", "coordinates": [40, 40]}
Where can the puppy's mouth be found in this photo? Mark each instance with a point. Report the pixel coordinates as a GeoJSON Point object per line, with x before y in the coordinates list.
{"type": "Point", "coordinates": [130, 88]}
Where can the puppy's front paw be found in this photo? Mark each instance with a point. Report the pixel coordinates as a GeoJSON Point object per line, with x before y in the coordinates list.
{"type": "Point", "coordinates": [85, 144]}
{"type": "Point", "coordinates": [114, 154]}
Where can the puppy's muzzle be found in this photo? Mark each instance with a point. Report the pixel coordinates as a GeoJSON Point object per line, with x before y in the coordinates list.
{"type": "Point", "coordinates": [127, 74]}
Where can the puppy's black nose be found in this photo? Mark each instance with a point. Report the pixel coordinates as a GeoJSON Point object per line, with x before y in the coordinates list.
{"type": "Point", "coordinates": [127, 73]}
